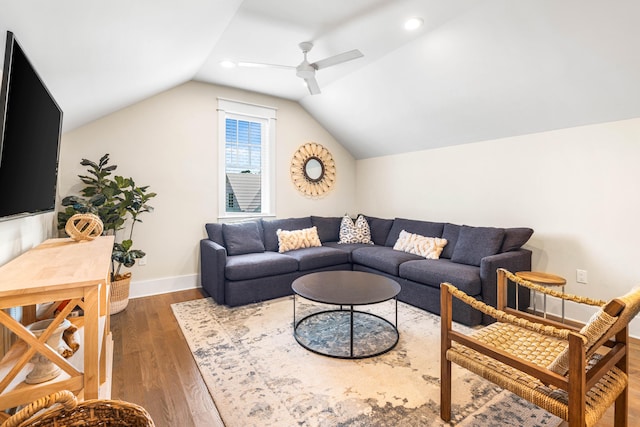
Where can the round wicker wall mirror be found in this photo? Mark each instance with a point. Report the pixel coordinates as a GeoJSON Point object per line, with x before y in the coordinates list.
{"type": "Point", "coordinates": [313, 170]}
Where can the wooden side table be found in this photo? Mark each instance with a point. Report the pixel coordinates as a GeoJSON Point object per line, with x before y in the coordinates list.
{"type": "Point", "coordinates": [543, 279]}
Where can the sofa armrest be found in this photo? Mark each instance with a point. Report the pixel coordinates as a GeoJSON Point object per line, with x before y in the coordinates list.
{"type": "Point", "coordinates": [213, 258]}
{"type": "Point", "coordinates": [518, 260]}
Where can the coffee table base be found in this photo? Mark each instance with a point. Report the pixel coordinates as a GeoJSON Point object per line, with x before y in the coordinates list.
{"type": "Point", "coordinates": [346, 333]}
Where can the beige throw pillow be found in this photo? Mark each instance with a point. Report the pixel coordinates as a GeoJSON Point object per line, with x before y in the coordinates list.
{"type": "Point", "coordinates": [297, 239]}
{"type": "Point", "coordinates": [427, 247]}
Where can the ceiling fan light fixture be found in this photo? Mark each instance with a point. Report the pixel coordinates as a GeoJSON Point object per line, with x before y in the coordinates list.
{"type": "Point", "coordinates": [413, 24]}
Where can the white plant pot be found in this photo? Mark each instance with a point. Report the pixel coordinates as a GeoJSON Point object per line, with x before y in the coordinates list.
{"type": "Point", "coordinates": [43, 368]}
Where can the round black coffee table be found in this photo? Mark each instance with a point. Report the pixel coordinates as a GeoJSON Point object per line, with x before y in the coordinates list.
{"type": "Point", "coordinates": [344, 332]}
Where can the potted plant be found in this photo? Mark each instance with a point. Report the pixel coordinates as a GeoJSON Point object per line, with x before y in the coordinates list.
{"type": "Point", "coordinates": [119, 202]}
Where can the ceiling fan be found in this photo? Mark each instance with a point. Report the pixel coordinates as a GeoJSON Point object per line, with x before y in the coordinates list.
{"type": "Point", "coordinates": [306, 70]}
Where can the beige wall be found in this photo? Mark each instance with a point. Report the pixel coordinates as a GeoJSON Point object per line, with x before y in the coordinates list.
{"type": "Point", "coordinates": [169, 142]}
{"type": "Point", "coordinates": [577, 188]}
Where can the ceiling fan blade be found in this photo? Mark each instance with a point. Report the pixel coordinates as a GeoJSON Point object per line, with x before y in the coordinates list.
{"type": "Point", "coordinates": [312, 85]}
{"type": "Point", "coordinates": [337, 59]}
{"type": "Point", "coordinates": [263, 65]}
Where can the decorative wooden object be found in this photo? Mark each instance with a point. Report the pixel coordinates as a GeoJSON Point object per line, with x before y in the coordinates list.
{"type": "Point", "coordinates": [58, 270]}
{"type": "Point", "coordinates": [313, 170]}
{"type": "Point", "coordinates": [83, 227]}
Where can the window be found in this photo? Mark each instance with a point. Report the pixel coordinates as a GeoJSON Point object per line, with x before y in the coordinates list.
{"type": "Point", "coordinates": [246, 140]}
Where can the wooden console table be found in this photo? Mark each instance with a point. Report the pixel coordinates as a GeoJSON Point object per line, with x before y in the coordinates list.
{"type": "Point", "coordinates": [58, 270]}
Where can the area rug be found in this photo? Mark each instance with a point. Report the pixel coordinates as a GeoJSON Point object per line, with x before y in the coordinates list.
{"type": "Point", "coordinates": [258, 375]}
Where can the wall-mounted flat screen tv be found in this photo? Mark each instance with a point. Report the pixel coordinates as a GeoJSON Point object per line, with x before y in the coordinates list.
{"type": "Point", "coordinates": [30, 128]}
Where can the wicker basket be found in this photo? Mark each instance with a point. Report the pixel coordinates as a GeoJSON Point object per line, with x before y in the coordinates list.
{"type": "Point", "coordinates": [120, 293]}
{"type": "Point", "coordinates": [90, 413]}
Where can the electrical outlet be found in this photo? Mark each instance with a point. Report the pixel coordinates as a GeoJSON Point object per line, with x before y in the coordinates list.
{"type": "Point", "coordinates": [142, 261]}
{"type": "Point", "coordinates": [581, 276]}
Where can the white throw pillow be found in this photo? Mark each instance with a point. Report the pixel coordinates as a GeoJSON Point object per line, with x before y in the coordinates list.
{"type": "Point", "coordinates": [297, 239]}
{"type": "Point", "coordinates": [427, 247]}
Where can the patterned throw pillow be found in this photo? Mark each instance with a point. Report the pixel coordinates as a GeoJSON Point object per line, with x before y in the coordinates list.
{"type": "Point", "coordinates": [297, 239]}
{"type": "Point", "coordinates": [357, 232]}
{"type": "Point", "coordinates": [427, 247]}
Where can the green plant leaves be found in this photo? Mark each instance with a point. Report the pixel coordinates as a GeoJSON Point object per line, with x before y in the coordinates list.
{"type": "Point", "coordinates": [116, 201]}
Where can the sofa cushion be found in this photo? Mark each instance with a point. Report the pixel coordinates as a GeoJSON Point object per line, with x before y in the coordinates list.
{"type": "Point", "coordinates": [346, 247]}
{"type": "Point", "coordinates": [426, 247]}
{"type": "Point", "coordinates": [433, 272]}
{"type": "Point", "coordinates": [270, 227]}
{"type": "Point", "coordinates": [297, 239]}
{"type": "Point", "coordinates": [354, 232]}
{"type": "Point", "coordinates": [475, 243]}
{"type": "Point", "coordinates": [379, 229]}
{"type": "Point", "coordinates": [450, 233]}
{"type": "Point", "coordinates": [214, 232]}
{"type": "Point", "coordinates": [253, 266]}
{"type": "Point", "coordinates": [242, 238]}
{"type": "Point", "coordinates": [514, 238]}
{"type": "Point", "coordinates": [328, 227]}
{"type": "Point", "coordinates": [382, 258]}
{"type": "Point", "coordinates": [319, 257]}
{"type": "Point", "coordinates": [424, 228]}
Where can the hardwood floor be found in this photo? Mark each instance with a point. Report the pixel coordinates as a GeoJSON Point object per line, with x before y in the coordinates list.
{"type": "Point", "coordinates": [153, 367]}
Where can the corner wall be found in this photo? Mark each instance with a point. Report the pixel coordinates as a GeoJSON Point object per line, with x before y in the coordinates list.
{"type": "Point", "coordinates": [169, 142]}
{"type": "Point", "coordinates": [577, 188]}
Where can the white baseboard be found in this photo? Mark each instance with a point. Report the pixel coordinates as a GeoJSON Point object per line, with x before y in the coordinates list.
{"type": "Point", "coordinates": [145, 288]}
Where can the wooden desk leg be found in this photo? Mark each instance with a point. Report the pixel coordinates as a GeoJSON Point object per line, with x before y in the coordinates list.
{"type": "Point", "coordinates": [91, 334]}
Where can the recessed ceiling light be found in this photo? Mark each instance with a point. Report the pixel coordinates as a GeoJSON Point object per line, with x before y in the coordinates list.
{"type": "Point", "coordinates": [413, 24]}
{"type": "Point", "coordinates": [227, 64]}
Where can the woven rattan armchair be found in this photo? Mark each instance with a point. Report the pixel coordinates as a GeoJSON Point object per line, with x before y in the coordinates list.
{"type": "Point", "coordinates": [575, 374]}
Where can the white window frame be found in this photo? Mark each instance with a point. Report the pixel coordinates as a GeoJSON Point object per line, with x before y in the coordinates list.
{"type": "Point", "coordinates": [267, 115]}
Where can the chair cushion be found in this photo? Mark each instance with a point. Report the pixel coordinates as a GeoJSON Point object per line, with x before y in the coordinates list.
{"type": "Point", "coordinates": [253, 266]}
{"type": "Point", "coordinates": [450, 233]}
{"type": "Point", "coordinates": [380, 228]}
{"type": "Point", "coordinates": [514, 238]}
{"type": "Point", "coordinates": [270, 227]}
{"type": "Point", "coordinates": [242, 238]}
{"type": "Point", "coordinates": [319, 257]}
{"type": "Point", "coordinates": [214, 232]}
{"type": "Point", "coordinates": [475, 243]}
{"type": "Point", "coordinates": [424, 228]}
{"type": "Point", "coordinates": [328, 227]}
{"type": "Point", "coordinates": [433, 272]}
{"type": "Point", "coordinates": [381, 258]}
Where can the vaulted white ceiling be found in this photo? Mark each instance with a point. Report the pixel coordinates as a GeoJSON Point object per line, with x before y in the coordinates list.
{"type": "Point", "coordinates": [476, 70]}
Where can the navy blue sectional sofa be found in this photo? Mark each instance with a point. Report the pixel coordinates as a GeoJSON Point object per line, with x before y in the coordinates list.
{"type": "Point", "coordinates": [240, 262]}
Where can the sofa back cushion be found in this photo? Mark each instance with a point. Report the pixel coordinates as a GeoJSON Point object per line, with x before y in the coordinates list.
{"type": "Point", "coordinates": [270, 227]}
{"type": "Point", "coordinates": [242, 237]}
{"type": "Point", "coordinates": [450, 234]}
{"type": "Point", "coordinates": [475, 243]}
{"type": "Point", "coordinates": [424, 228]}
{"type": "Point", "coordinates": [328, 227]}
{"type": "Point", "coordinates": [380, 228]}
{"type": "Point", "coordinates": [514, 238]}
{"type": "Point", "coordinates": [214, 231]}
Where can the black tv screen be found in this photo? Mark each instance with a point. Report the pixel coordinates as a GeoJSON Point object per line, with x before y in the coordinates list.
{"type": "Point", "coordinates": [30, 127]}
